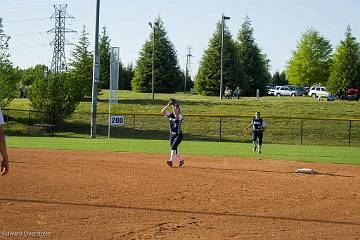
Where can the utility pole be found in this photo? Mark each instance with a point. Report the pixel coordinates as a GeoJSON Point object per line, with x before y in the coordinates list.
{"type": "Point", "coordinates": [223, 18]}
{"type": "Point", "coordinates": [96, 73]}
{"type": "Point", "coordinates": [188, 56]}
{"type": "Point", "coordinates": [58, 63]}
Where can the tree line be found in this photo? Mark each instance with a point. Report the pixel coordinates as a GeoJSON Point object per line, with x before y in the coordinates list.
{"type": "Point", "coordinates": [244, 65]}
{"type": "Point", "coordinates": [313, 62]}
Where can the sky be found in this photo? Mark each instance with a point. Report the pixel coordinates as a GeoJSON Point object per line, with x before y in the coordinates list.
{"type": "Point", "coordinates": [278, 25]}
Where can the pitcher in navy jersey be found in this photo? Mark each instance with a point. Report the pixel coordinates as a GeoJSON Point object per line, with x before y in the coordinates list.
{"type": "Point", "coordinates": [258, 128]}
{"type": "Point", "coordinates": [175, 126]}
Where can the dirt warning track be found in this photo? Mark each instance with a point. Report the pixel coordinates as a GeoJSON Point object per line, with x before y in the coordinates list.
{"type": "Point", "coordinates": [105, 195]}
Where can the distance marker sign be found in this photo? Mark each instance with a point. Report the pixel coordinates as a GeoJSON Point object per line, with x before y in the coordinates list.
{"type": "Point", "coordinates": [117, 120]}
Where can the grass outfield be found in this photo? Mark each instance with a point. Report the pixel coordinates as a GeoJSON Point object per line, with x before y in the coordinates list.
{"type": "Point", "coordinates": [130, 102]}
{"type": "Point", "coordinates": [323, 154]}
{"type": "Point", "coordinates": [280, 130]}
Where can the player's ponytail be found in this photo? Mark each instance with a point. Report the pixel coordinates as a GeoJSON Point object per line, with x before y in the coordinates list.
{"type": "Point", "coordinates": [177, 106]}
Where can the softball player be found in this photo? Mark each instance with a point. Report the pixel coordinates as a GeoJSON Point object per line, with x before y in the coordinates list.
{"type": "Point", "coordinates": [5, 163]}
{"type": "Point", "coordinates": [175, 121]}
{"type": "Point", "coordinates": [258, 127]}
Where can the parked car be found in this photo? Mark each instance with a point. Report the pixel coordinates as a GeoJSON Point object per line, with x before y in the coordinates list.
{"type": "Point", "coordinates": [270, 91]}
{"type": "Point", "coordinates": [267, 87]}
{"type": "Point", "coordinates": [349, 94]}
{"type": "Point", "coordinates": [303, 90]}
{"type": "Point", "coordinates": [285, 91]}
{"type": "Point", "coordinates": [352, 94]}
{"type": "Point", "coordinates": [318, 91]}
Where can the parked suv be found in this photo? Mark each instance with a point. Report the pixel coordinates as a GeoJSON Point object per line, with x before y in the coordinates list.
{"type": "Point", "coordinates": [318, 91]}
{"type": "Point", "coordinates": [285, 91]}
{"type": "Point", "coordinates": [270, 91]}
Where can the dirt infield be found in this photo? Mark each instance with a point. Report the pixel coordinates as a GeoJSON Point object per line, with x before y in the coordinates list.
{"type": "Point", "coordinates": [52, 194]}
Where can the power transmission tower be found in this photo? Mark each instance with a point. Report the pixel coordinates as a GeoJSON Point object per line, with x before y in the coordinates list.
{"type": "Point", "coordinates": [58, 63]}
{"type": "Point", "coordinates": [187, 66]}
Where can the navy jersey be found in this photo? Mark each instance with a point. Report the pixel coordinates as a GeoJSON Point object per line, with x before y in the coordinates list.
{"type": "Point", "coordinates": [174, 124]}
{"type": "Point", "coordinates": [258, 124]}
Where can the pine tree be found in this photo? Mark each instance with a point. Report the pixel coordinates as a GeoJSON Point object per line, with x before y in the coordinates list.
{"type": "Point", "coordinates": [310, 61]}
{"type": "Point", "coordinates": [207, 80]}
{"type": "Point", "coordinates": [104, 50]}
{"type": "Point", "coordinates": [276, 78]}
{"type": "Point", "coordinates": [254, 63]}
{"type": "Point", "coordinates": [283, 78]}
{"type": "Point", "coordinates": [167, 71]}
{"type": "Point", "coordinates": [345, 66]}
{"type": "Point", "coordinates": [126, 75]}
{"type": "Point", "coordinates": [279, 78]}
{"type": "Point", "coordinates": [82, 64]}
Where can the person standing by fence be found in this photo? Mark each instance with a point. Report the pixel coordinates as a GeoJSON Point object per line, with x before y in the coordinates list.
{"type": "Point", "coordinates": [5, 162]}
{"type": "Point", "coordinates": [237, 93]}
{"type": "Point", "coordinates": [175, 121]}
{"type": "Point", "coordinates": [22, 90]}
{"type": "Point", "coordinates": [258, 128]}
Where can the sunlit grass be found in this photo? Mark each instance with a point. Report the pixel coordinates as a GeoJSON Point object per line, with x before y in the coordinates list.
{"type": "Point", "coordinates": [343, 155]}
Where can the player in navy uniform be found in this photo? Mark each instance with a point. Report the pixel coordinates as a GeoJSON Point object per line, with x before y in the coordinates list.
{"type": "Point", "coordinates": [258, 127]}
{"type": "Point", "coordinates": [175, 121]}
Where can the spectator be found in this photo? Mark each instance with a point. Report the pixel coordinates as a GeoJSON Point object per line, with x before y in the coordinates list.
{"type": "Point", "coordinates": [338, 94]}
{"type": "Point", "coordinates": [22, 90]}
{"type": "Point", "coordinates": [227, 93]}
{"type": "Point", "coordinates": [237, 93]}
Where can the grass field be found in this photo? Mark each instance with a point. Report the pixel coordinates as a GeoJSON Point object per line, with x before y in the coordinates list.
{"type": "Point", "coordinates": [131, 102]}
{"type": "Point", "coordinates": [325, 154]}
{"type": "Point", "coordinates": [281, 113]}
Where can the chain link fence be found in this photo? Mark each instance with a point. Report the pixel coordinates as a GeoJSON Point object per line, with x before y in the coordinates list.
{"type": "Point", "coordinates": [280, 130]}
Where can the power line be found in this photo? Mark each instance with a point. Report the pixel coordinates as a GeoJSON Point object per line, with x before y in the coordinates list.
{"type": "Point", "coordinates": [32, 46]}
{"type": "Point", "coordinates": [27, 19]}
{"type": "Point", "coordinates": [14, 8]}
{"type": "Point", "coordinates": [26, 34]}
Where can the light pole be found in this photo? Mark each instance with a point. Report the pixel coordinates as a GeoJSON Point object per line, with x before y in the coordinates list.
{"type": "Point", "coordinates": [96, 74]}
{"type": "Point", "coordinates": [223, 18]}
{"type": "Point", "coordinates": [152, 60]}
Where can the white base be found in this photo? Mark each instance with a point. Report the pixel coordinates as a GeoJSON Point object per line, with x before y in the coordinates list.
{"type": "Point", "coordinates": [306, 170]}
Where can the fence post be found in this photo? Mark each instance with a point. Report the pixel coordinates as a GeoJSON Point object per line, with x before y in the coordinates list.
{"type": "Point", "coordinates": [220, 129]}
{"type": "Point", "coordinates": [134, 126]}
{"type": "Point", "coordinates": [52, 124]}
{"type": "Point", "coordinates": [301, 132]}
{"type": "Point", "coordinates": [29, 122]}
{"type": "Point", "coordinates": [349, 133]}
